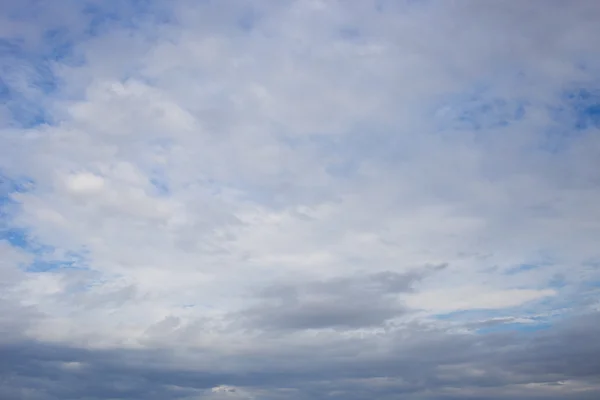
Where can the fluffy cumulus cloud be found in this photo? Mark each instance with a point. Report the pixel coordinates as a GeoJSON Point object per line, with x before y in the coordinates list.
{"type": "Point", "coordinates": [299, 199]}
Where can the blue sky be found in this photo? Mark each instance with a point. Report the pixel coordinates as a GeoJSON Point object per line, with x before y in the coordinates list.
{"type": "Point", "coordinates": [402, 197]}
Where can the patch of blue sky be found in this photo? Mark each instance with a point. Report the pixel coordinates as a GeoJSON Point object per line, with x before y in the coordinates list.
{"type": "Point", "coordinates": [51, 266]}
{"type": "Point", "coordinates": [17, 60]}
{"type": "Point", "coordinates": [535, 312]}
{"type": "Point", "coordinates": [542, 259]}
{"type": "Point", "coordinates": [529, 327]}
{"type": "Point", "coordinates": [478, 110]}
{"type": "Point", "coordinates": [584, 107]}
{"type": "Point", "coordinates": [26, 114]}
{"type": "Point", "coordinates": [43, 255]}
{"type": "Point", "coordinates": [470, 315]}
{"type": "Point", "coordinates": [516, 319]}
{"type": "Point", "coordinates": [23, 239]}
{"type": "Point", "coordinates": [493, 113]}
{"type": "Point", "coordinates": [574, 114]}
{"type": "Point", "coordinates": [16, 237]}
{"type": "Point", "coordinates": [7, 204]}
{"type": "Point", "coordinates": [160, 184]}
{"type": "Point", "coordinates": [26, 71]}
{"type": "Point", "coordinates": [25, 78]}
{"type": "Point", "coordinates": [59, 45]}
{"type": "Point", "coordinates": [522, 268]}
{"type": "Point", "coordinates": [19, 237]}
{"type": "Point", "coordinates": [14, 185]}
{"type": "Point", "coordinates": [101, 18]}
{"type": "Point", "coordinates": [105, 15]}
{"type": "Point", "coordinates": [49, 262]}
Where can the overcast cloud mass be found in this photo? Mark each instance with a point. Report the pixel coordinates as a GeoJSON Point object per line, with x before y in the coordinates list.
{"type": "Point", "coordinates": [310, 199]}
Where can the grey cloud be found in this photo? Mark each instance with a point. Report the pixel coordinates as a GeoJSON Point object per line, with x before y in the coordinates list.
{"type": "Point", "coordinates": [331, 312]}
{"type": "Point", "coordinates": [62, 372]}
{"type": "Point", "coordinates": [418, 362]}
{"type": "Point", "coordinates": [346, 302]}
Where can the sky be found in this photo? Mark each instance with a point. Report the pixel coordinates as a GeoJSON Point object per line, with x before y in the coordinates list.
{"type": "Point", "coordinates": [310, 199]}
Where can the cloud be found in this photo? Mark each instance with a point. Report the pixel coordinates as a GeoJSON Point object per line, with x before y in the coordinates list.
{"type": "Point", "coordinates": [420, 362]}
{"type": "Point", "coordinates": [468, 298]}
{"type": "Point", "coordinates": [305, 199]}
{"type": "Point", "coordinates": [347, 303]}
{"type": "Point", "coordinates": [228, 392]}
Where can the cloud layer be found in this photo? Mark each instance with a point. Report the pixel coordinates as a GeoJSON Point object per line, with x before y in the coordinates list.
{"type": "Point", "coordinates": [299, 199]}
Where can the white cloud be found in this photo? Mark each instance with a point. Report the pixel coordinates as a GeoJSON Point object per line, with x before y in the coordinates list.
{"type": "Point", "coordinates": [84, 183]}
{"type": "Point", "coordinates": [473, 298]}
